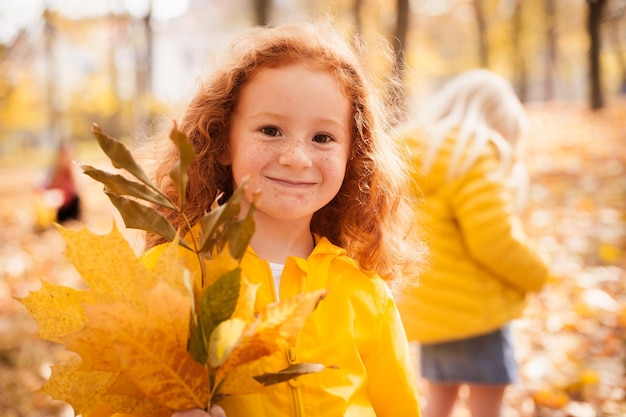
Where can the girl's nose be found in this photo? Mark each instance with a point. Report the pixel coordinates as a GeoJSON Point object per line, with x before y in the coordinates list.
{"type": "Point", "coordinates": [295, 153]}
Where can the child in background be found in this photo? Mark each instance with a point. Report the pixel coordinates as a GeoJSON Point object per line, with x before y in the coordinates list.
{"type": "Point", "coordinates": [296, 109]}
{"type": "Point", "coordinates": [57, 200]}
{"type": "Point", "coordinates": [467, 152]}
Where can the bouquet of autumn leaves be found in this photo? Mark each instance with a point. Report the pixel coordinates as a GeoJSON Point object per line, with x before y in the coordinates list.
{"type": "Point", "coordinates": [153, 340]}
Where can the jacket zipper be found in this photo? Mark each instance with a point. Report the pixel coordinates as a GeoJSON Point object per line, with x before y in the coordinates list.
{"type": "Point", "coordinates": [294, 384]}
{"type": "Point", "coordinates": [292, 357]}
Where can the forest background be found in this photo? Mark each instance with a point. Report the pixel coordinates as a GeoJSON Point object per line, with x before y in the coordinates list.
{"type": "Point", "coordinates": [130, 64]}
{"type": "Point", "coordinates": [65, 64]}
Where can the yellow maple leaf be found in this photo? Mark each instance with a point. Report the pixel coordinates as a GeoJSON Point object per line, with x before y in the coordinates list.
{"type": "Point", "coordinates": [57, 310]}
{"type": "Point", "coordinates": [219, 264]}
{"type": "Point", "coordinates": [150, 347]}
{"type": "Point", "coordinates": [169, 268]}
{"type": "Point", "coordinates": [130, 330]}
{"type": "Point", "coordinates": [108, 265]}
{"type": "Point", "coordinates": [95, 393]}
{"type": "Point", "coordinates": [151, 336]}
{"type": "Point", "coordinates": [129, 327]}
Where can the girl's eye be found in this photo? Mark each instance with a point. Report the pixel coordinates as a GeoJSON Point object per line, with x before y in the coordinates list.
{"type": "Point", "coordinates": [322, 138]}
{"type": "Point", "coordinates": [270, 131]}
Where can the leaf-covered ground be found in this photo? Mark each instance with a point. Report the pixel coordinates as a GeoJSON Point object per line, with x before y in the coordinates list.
{"type": "Point", "coordinates": [571, 341]}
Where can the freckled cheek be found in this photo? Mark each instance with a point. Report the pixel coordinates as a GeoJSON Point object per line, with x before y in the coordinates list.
{"type": "Point", "coordinates": [250, 161]}
{"type": "Point", "coordinates": [334, 169]}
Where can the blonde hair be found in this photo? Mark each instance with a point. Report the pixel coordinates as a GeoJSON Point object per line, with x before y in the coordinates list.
{"type": "Point", "coordinates": [481, 108]}
{"type": "Point", "coordinates": [371, 216]}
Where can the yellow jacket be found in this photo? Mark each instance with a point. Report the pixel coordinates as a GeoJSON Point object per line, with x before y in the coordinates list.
{"type": "Point", "coordinates": [482, 265]}
{"type": "Point", "coordinates": [356, 328]}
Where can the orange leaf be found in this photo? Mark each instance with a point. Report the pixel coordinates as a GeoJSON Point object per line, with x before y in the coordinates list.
{"type": "Point", "coordinates": [276, 326]}
{"type": "Point", "coordinates": [150, 347]}
{"type": "Point", "coordinates": [89, 391]}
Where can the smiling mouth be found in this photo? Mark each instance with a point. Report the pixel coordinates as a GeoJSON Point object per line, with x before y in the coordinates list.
{"type": "Point", "coordinates": [290, 182]}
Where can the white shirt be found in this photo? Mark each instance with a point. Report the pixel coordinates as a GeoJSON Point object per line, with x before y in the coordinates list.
{"type": "Point", "coordinates": [277, 271]}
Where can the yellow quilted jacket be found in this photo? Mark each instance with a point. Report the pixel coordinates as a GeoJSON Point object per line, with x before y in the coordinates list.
{"type": "Point", "coordinates": [482, 264]}
{"type": "Point", "coordinates": [356, 328]}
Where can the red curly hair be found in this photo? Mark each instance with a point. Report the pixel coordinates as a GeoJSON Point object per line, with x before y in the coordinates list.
{"type": "Point", "coordinates": [372, 215]}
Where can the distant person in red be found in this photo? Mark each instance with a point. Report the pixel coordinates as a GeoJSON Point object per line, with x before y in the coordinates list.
{"type": "Point", "coordinates": [59, 189]}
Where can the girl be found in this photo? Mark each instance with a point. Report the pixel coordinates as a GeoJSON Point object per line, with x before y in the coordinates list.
{"type": "Point", "coordinates": [295, 109]}
{"type": "Point", "coordinates": [483, 266]}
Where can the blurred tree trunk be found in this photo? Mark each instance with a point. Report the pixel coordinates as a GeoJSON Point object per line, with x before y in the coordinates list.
{"type": "Point", "coordinates": [399, 93]}
{"type": "Point", "coordinates": [594, 18]}
{"type": "Point", "coordinates": [54, 134]}
{"type": "Point", "coordinates": [551, 40]}
{"type": "Point", "coordinates": [481, 23]}
{"type": "Point", "coordinates": [402, 28]}
{"type": "Point", "coordinates": [262, 12]}
{"type": "Point", "coordinates": [143, 60]}
{"type": "Point", "coordinates": [115, 123]}
{"type": "Point", "coordinates": [147, 70]}
{"type": "Point", "coordinates": [520, 70]}
{"type": "Point", "coordinates": [356, 11]}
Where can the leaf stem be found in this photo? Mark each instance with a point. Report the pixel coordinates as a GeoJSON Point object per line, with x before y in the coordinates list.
{"type": "Point", "coordinates": [196, 250]}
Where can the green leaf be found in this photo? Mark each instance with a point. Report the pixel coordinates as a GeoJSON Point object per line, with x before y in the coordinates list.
{"type": "Point", "coordinates": [120, 156]}
{"type": "Point", "coordinates": [139, 216]}
{"type": "Point", "coordinates": [122, 186]}
{"type": "Point", "coordinates": [220, 299]}
{"type": "Point", "coordinates": [211, 222]}
{"type": "Point", "coordinates": [187, 154]}
{"type": "Point", "coordinates": [239, 234]}
{"type": "Point", "coordinates": [217, 304]}
{"type": "Point", "coordinates": [288, 373]}
{"type": "Point", "coordinates": [196, 345]}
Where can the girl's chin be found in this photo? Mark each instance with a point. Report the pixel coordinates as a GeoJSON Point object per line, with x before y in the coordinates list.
{"type": "Point", "coordinates": [285, 213]}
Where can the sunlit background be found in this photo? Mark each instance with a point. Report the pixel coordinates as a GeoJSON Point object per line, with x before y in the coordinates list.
{"type": "Point", "coordinates": [65, 64]}
{"type": "Point", "coordinates": [129, 64]}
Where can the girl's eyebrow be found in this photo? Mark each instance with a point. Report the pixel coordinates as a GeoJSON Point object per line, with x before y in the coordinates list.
{"type": "Point", "coordinates": [265, 113]}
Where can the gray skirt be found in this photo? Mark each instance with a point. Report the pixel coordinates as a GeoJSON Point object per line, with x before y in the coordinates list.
{"type": "Point", "coordinates": [484, 359]}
